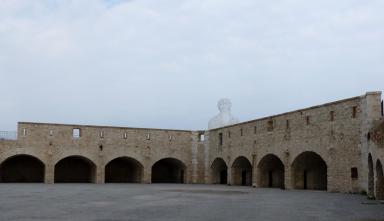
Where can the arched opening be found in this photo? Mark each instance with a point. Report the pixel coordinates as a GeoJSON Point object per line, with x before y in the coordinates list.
{"type": "Point", "coordinates": [219, 171]}
{"type": "Point", "coordinates": [123, 170]}
{"type": "Point", "coordinates": [168, 170]}
{"type": "Point", "coordinates": [241, 172]}
{"type": "Point", "coordinates": [309, 172]}
{"type": "Point", "coordinates": [371, 178]}
{"type": "Point", "coordinates": [75, 169]}
{"type": "Point", "coordinates": [22, 169]}
{"type": "Point", "coordinates": [379, 181]}
{"type": "Point", "coordinates": [271, 172]}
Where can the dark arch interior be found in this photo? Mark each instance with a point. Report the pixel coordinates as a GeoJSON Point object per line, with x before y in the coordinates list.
{"type": "Point", "coordinates": [219, 171]}
{"type": "Point", "coordinates": [309, 172]}
{"type": "Point", "coordinates": [371, 182]}
{"type": "Point", "coordinates": [168, 170]}
{"type": "Point", "coordinates": [123, 170]}
{"type": "Point", "coordinates": [242, 172]}
{"type": "Point", "coordinates": [75, 169]}
{"type": "Point", "coordinates": [22, 169]}
{"type": "Point", "coordinates": [379, 181]}
{"type": "Point", "coordinates": [271, 172]}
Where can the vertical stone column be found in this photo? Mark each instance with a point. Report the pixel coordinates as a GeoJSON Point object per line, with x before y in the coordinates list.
{"type": "Point", "coordinates": [288, 182]}
{"type": "Point", "coordinates": [254, 170]}
{"type": "Point", "coordinates": [229, 176]}
{"type": "Point", "coordinates": [49, 172]}
{"type": "Point", "coordinates": [100, 170]}
{"type": "Point", "coordinates": [147, 174]}
{"type": "Point", "coordinates": [194, 138]}
{"type": "Point", "coordinates": [207, 176]}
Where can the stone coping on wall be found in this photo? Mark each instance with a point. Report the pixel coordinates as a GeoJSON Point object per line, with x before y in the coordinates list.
{"type": "Point", "coordinates": [301, 110]}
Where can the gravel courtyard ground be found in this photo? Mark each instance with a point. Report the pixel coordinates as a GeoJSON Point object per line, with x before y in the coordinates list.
{"type": "Point", "coordinates": [117, 202]}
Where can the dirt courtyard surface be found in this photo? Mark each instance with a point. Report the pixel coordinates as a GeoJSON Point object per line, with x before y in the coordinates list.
{"type": "Point", "coordinates": [178, 202]}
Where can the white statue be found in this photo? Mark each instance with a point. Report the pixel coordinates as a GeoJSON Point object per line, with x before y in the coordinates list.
{"type": "Point", "coordinates": [224, 118]}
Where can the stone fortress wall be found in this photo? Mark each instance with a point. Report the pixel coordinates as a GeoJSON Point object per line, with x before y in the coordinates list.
{"type": "Point", "coordinates": [338, 147]}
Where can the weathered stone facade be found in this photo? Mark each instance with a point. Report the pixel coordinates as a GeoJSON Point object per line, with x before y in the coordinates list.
{"type": "Point", "coordinates": [337, 147]}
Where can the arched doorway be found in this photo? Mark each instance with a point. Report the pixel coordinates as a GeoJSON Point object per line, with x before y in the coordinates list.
{"type": "Point", "coordinates": [241, 172]}
{"type": "Point", "coordinates": [22, 169]}
{"type": "Point", "coordinates": [219, 170]}
{"type": "Point", "coordinates": [75, 169]}
{"type": "Point", "coordinates": [271, 172]}
{"type": "Point", "coordinates": [168, 170]}
{"type": "Point", "coordinates": [309, 172]}
{"type": "Point", "coordinates": [371, 178]}
{"type": "Point", "coordinates": [379, 181]}
{"type": "Point", "coordinates": [124, 170]}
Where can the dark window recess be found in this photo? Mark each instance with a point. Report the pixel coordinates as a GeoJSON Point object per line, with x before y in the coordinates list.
{"type": "Point", "coordinates": [221, 138]}
{"type": "Point", "coordinates": [270, 125]}
{"type": "Point", "coordinates": [332, 115]}
{"type": "Point", "coordinates": [254, 129]}
{"type": "Point", "coordinates": [382, 108]}
{"type": "Point", "coordinates": [101, 147]}
{"type": "Point", "coordinates": [241, 132]}
{"type": "Point", "coordinates": [369, 136]}
{"type": "Point", "coordinates": [287, 124]}
{"type": "Point", "coordinates": [201, 137]}
{"type": "Point", "coordinates": [308, 120]}
{"type": "Point", "coordinates": [354, 111]}
{"type": "Point", "coordinates": [229, 134]}
{"type": "Point", "coordinates": [354, 174]}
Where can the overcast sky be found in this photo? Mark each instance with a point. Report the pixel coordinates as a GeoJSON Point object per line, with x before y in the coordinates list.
{"type": "Point", "coordinates": [164, 64]}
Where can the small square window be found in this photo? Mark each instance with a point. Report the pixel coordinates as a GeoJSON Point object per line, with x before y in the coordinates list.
{"type": "Point", "coordinates": [270, 125]}
{"type": "Point", "coordinates": [76, 133]}
{"type": "Point", "coordinates": [50, 132]}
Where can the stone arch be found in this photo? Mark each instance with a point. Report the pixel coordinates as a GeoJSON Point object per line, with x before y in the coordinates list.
{"type": "Point", "coordinates": [22, 168]}
{"type": "Point", "coordinates": [379, 181]}
{"type": "Point", "coordinates": [75, 169]}
{"type": "Point", "coordinates": [309, 171]}
{"type": "Point", "coordinates": [241, 172]}
{"type": "Point", "coordinates": [124, 170]}
{"type": "Point", "coordinates": [270, 172]}
{"type": "Point", "coordinates": [371, 177]}
{"type": "Point", "coordinates": [219, 171]}
{"type": "Point", "coordinates": [168, 170]}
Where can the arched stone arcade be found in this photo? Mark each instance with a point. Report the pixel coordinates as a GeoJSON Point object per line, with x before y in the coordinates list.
{"type": "Point", "coordinates": [379, 181]}
{"type": "Point", "coordinates": [241, 172]}
{"type": "Point", "coordinates": [270, 172]}
{"type": "Point", "coordinates": [168, 170]}
{"type": "Point", "coordinates": [22, 169]}
{"type": "Point", "coordinates": [219, 172]}
{"type": "Point", "coordinates": [75, 169]}
{"type": "Point", "coordinates": [124, 170]}
{"type": "Point", "coordinates": [309, 171]}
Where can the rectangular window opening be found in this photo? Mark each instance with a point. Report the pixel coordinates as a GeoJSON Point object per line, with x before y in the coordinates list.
{"type": "Point", "coordinates": [101, 134]}
{"type": "Point", "coordinates": [287, 125]}
{"type": "Point", "coordinates": [220, 139]}
{"type": "Point", "coordinates": [254, 129]}
{"type": "Point", "coordinates": [354, 174]}
{"type": "Point", "coordinates": [229, 134]}
{"type": "Point", "coordinates": [50, 132]}
{"type": "Point", "coordinates": [201, 137]}
{"type": "Point", "coordinates": [76, 133]}
{"type": "Point", "coordinates": [308, 120]}
{"type": "Point", "coordinates": [332, 115]}
{"type": "Point", "coordinates": [241, 132]}
{"type": "Point", "coordinates": [148, 136]}
{"type": "Point", "coordinates": [354, 111]}
{"type": "Point", "coordinates": [382, 108]}
{"type": "Point", "coordinates": [24, 132]}
{"type": "Point", "coordinates": [270, 125]}
{"type": "Point", "coordinates": [125, 135]}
